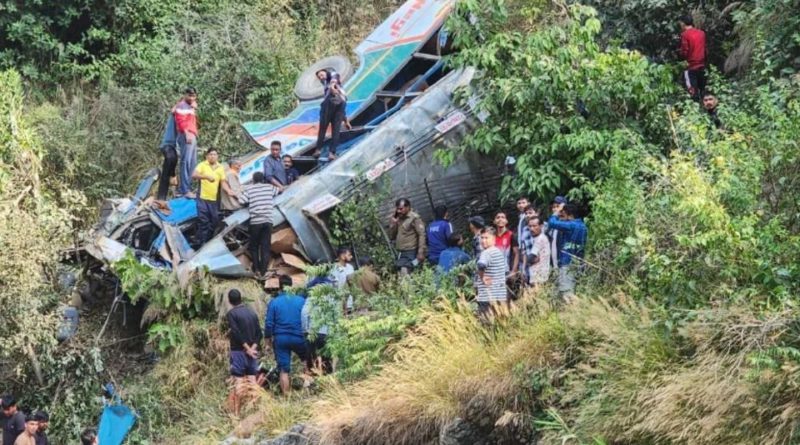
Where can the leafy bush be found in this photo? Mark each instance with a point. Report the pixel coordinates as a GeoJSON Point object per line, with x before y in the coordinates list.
{"type": "Point", "coordinates": [358, 223]}
{"type": "Point", "coordinates": [35, 226]}
{"type": "Point", "coordinates": [769, 40]}
{"type": "Point", "coordinates": [558, 74]}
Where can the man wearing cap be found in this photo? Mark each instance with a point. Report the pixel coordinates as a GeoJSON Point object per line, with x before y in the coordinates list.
{"type": "Point", "coordinates": [476, 224]}
{"type": "Point", "coordinates": [185, 113]}
{"type": "Point", "coordinates": [15, 420]}
{"type": "Point", "coordinates": [41, 434]}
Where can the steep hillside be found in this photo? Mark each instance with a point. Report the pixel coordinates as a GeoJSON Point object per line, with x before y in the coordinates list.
{"type": "Point", "coordinates": [685, 326]}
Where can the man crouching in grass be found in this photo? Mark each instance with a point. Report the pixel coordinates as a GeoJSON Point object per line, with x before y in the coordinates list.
{"type": "Point", "coordinates": [245, 336]}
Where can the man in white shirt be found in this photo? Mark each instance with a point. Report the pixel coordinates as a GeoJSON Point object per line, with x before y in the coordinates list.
{"type": "Point", "coordinates": [340, 271]}
{"type": "Point", "coordinates": [538, 259]}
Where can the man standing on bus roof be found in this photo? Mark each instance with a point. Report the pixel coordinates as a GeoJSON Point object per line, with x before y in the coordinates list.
{"type": "Point", "coordinates": [185, 113]}
{"type": "Point", "coordinates": [332, 112]}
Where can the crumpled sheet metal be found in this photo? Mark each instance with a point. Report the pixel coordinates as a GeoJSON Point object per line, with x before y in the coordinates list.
{"type": "Point", "coordinates": [402, 129]}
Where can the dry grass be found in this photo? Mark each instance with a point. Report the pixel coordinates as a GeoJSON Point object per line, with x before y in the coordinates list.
{"type": "Point", "coordinates": [624, 378]}
{"type": "Point", "coordinates": [451, 361]}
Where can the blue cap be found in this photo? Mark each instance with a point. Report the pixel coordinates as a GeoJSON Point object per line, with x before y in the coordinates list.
{"type": "Point", "coordinates": [560, 200]}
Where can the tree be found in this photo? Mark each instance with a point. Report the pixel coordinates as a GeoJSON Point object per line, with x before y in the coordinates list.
{"type": "Point", "coordinates": [554, 99]}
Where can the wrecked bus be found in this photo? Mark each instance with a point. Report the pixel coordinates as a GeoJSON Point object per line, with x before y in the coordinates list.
{"type": "Point", "coordinates": [401, 104]}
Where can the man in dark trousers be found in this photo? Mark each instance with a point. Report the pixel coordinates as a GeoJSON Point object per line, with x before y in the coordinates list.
{"type": "Point", "coordinates": [332, 111]}
{"type": "Point", "coordinates": [284, 325]}
{"type": "Point", "coordinates": [258, 196]}
{"type": "Point", "coordinates": [407, 230]}
{"type": "Point", "coordinates": [15, 420]}
{"type": "Point", "coordinates": [693, 50]}
{"type": "Point", "coordinates": [168, 149]}
{"type": "Point", "coordinates": [245, 336]}
{"type": "Point", "coordinates": [211, 174]}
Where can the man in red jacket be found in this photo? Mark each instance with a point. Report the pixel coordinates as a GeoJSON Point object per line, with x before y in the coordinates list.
{"type": "Point", "coordinates": [693, 49]}
{"type": "Point", "coordinates": [185, 113]}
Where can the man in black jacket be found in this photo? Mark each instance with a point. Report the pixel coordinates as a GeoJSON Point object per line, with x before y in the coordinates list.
{"type": "Point", "coordinates": [245, 336]}
{"type": "Point", "coordinates": [15, 420]}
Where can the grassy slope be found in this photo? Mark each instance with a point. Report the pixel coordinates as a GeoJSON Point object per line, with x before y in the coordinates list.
{"type": "Point", "coordinates": [603, 369]}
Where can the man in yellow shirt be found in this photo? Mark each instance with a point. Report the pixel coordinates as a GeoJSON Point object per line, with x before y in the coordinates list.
{"type": "Point", "coordinates": [211, 174]}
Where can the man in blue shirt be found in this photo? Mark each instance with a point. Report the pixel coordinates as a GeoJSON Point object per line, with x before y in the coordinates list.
{"type": "Point", "coordinates": [438, 233]}
{"type": "Point", "coordinates": [274, 171]}
{"type": "Point", "coordinates": [572, 235]}
{"type": "Point", "coordinates": [291, 173]}
{"type": "Point", "coordinates": [283, 324]}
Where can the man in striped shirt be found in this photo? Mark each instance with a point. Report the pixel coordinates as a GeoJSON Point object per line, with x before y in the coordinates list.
{"type": "Point", "coordinates": [258, 196]}
{"type": "Point", "coordinates": [492, 269]}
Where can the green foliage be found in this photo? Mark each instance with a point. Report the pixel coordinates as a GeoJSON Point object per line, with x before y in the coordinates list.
{"type": "Point", "coordinates": [554, 71]}
{"type": "Point", "coordinates": [769, 37]}
{"type": "Point", "coordinates": [358, 223]}
{"type": "Point", "coordinates": [705, 223]}
{"type": "Point", "coordinates": [651, 26]}
{"type": "Point", "coordinates": [362, 342]}
{"type": "Point", "coordinates": [164, 296]}
{"type": "Point", "coordinates": [34, 227]}
{"type": "Point", "coordinates": [75, 37]}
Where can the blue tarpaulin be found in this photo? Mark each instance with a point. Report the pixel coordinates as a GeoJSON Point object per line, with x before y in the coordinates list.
{"type": "Point", "coordinates": [115, 423]}
{"type": "Point", "coordinates": [116, 420]}
{"type": "Point", "coordinates": [182, 210]}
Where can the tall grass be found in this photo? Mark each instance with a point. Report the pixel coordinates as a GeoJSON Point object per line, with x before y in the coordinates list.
{"type": "Point", "coordinates": [610, 370]}
{"type": "Point", "coordinates": [448, 362]}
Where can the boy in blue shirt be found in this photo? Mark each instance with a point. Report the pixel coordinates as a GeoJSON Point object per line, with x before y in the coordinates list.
{"type": "Point", "coordinates": [454, 255]}
{"type": "Point", "coordinates": [571, 244]}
